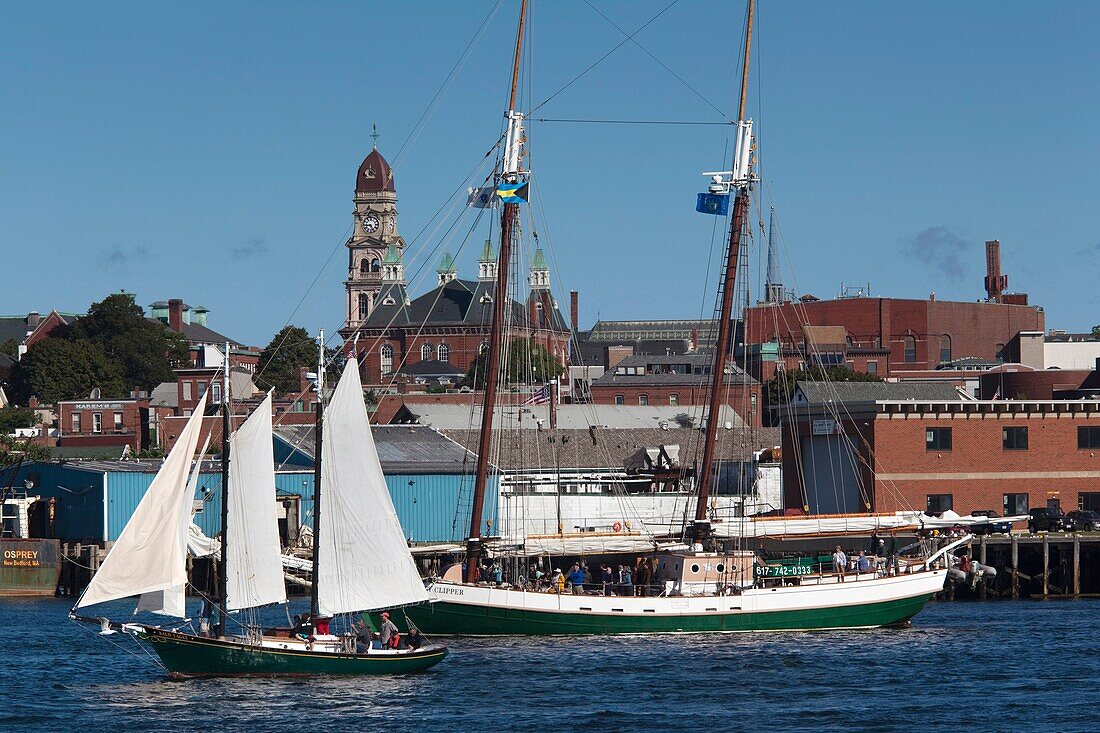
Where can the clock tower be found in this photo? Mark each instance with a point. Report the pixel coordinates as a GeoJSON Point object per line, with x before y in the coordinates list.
{"type": "Point", "coordinates": [374, 233]}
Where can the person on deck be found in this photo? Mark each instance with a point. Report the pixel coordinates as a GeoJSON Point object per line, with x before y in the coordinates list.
{"type": "Point", "coordinates": [644, 576]}
{"type": "Point", "coordinates": [414, 640]}
{"type": "Point", "coordinates": [497, 572]}
{"type": "Point", "coordinates": [864, 563]}
{"type": "Point", "coordinates": [388, 631]}
{"type": "Point", "coordinates": [576, 577]}
{"type": "Point", "coordinates": [322, 626]}
{"type": "Point", "coordinates": [363, 637]}
{"type": "Point", "coordinates": [840, 563]}
{"type": "Point", "coordinates": [626, 580]}
{"type": "Point", "coordinates": [557, 582]}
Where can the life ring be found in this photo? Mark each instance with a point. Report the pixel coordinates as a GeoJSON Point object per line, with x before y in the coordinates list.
{"type": "Point", "coordinates": [617, 527]}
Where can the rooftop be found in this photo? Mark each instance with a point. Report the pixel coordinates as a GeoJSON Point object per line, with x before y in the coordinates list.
{"type": "Point", "coordinates": [821, 392]}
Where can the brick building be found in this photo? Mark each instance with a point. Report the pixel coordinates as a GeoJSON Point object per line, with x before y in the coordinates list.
{"type": "Point", "coordinates": [99, 423]}
{"type": "Point", "coordinates": [390, 331]}
{"type": "Point", "coordinates": [886, 455]}
{"type": "Point", "coordinates": [675, 381]}
{"type": "Point", "coordinates": [204, 344]}
{"type": "Point", "coordinates": [886, 336]}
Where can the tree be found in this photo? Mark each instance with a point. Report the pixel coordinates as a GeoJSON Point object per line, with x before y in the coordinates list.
{"type": "Point", "coordinates": [10, 347]}
{"type": "Point", "coordinates": [527, 363]}
{"type": "Point", "coordinates": [780, 389]}
{"type": "Point", "coordinates": [61, 369]}
{"type": "Point", "coordinates": [14, 451]}
{"type": "Point", "coordinates": [1096, 330]}
{"type": "Point", "coordinates": [289, 350]}
{"type": "Point", "coordinates": [16, 417]}
{"type": "Point", "coordinates": [144, 349]}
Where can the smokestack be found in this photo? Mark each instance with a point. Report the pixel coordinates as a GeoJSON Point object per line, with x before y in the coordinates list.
{"type": "Point", "coordinates": [33, 319]}
{"type": "Point", "coordinates": [574, 311]}
{"type": "Point", "coordinates": [175, 315]}
{"type": "Point", "coordinates": [995, 282]}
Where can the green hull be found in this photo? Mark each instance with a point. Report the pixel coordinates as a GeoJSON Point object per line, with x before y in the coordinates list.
{"type": "Point", "coordinates": [188, 656]}
{"type": "Point", "coordinates": [444, 618]}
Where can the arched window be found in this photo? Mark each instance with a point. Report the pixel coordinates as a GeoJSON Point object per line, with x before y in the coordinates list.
{"type": "Point", "coordinates": [375, 265]}
{"type": "Point", "coordinates": [910, 349]}
{"type": "Point", "coordinates": [364, 306]}
{"type": "Point", "coordinates": [643, 399]}
{"type": "Point", "coordinates": [674, 400]}
{"type": "Point", "coordinates": [484, 348]}
{"type": "Point", "coordinates": [945, 349]}
{"type": "Point", "coordinates": [387, 358]}
{"type": "Point", "coordinates": [425, 352]}
{"type": "Point", "coordinates": [620, 399]}
{"type": "Point", "coordinates": [444, 352]}
{"type": "Point", "coordinates": [1000, 355]}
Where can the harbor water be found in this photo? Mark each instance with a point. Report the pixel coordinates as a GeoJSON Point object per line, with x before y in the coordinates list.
{"type": "Point", "coordinates": [993, 666]}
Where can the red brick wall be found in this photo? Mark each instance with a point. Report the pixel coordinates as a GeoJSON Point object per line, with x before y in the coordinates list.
{"type": "Point", "coordinates": [133, 431]}
{"type": "Point", "coordinates": [978, 471]}
{"type": "Point", "coordinates": [739, 397]}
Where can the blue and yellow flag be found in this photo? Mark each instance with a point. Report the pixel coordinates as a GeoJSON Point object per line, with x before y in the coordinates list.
{"type": "Point", "coordinates": [512, 193]}
{"type": "Point", "coordinates": [713, 203]}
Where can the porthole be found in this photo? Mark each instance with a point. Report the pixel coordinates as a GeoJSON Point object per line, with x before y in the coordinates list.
{"type": "Point", "coordinates": [694, 568]}
{"type": "Point", "coordinates": [720, 567]}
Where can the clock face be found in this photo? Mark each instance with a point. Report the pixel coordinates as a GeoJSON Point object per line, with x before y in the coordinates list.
{"type": "Point", "coordinates": [370, 224]}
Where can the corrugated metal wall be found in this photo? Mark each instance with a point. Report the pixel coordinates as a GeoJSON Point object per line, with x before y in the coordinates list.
{"type": "Point", "coordinates": [78, 513]}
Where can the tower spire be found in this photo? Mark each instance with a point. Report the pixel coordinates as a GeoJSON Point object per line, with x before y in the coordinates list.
{"type": "Point", "coordinates": [374, 134]}
{"type": "Point", "coordinates": [773, 286]}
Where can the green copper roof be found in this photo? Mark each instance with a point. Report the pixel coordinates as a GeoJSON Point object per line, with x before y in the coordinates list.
{"type": "Point", "coordinates": [392, 255]}
{"type": "Point", "coordinates": [539, 262]}
{"type": "Point", "coordinates": [487, 253]}
{"type": "Point", "coordinates": [446, 263]}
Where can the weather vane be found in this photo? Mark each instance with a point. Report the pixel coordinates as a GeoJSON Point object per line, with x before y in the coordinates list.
{"type": "Point", "coordinates": [374, 134]}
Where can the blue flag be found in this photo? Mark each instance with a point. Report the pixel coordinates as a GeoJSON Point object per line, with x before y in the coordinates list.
{"type": "Point", "coordinates": [512, 193]}
{"type": "Point", "coordinates": [713, 203]}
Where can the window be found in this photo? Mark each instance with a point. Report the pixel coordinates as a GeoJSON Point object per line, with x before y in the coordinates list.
{"type": "Point", "coordinates": [674, 400]}
{"type": "Point", "coordinates": [620, 399]}
{"type": "Point", "coordinates": [484, 348]}
{"type": "Point", "coordinates": [1015, 504]}
{"type": "Point", "coordinates": [872, 367]}
{"type": "Point", "coordinates": [1000, 353]}
{"type": "Point", "coordinates": [216, 393]}
{"type": "Point", "coordinates": [937, 439]}
{"type": "Point", "coordinates": [200, 390]}
{"type": "Point", "coordinates": [444, 352]}
{"type": "Point", "coordinates": [118, 421]}
{"type": "Point", "coordinates": [97, 422]}
{"type": "Point", "coordinates": [387, 358]}
{"type": "Point", "coordinates": [186, 391]}
{"type": "Point", "coordinates": [425, 352]}
{"type": "Point", "coordinates": [939, 503]}
{"type": "Point", "coordinates": [945, 349]}
{"type": "Point", "coordinates": [76, 422]}
{"type": "Point", "coordinates": [643, 399]}
{"type": "Point", "coordinates": [1014, 438]}
{"type": "Point", "coordinates": [364, 306]}
{"type": "Point", "coordinates": [375, 265]}
{"type": "Point", "coordinates": [910, 349]}
{"type": "Point", "coordinates": [1088, 437]}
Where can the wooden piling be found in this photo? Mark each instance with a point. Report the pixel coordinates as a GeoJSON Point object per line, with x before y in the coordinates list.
{"type": "Point", "coordinates": [1076, 564]}
{"type": "Point", "coordinates": [1015, 567]}
{"type": "Point", "coordinates": [1046, 565]}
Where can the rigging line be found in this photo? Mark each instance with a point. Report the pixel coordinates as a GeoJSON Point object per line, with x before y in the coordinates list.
{"type": "Point", "coordinates": [628, 122]}
{"type": "Point", "coordinates": [416, 130]}
{"type": "Point", "coordinates": [601, 59]}
{"type": "Point", "coordinates": [662, 64]}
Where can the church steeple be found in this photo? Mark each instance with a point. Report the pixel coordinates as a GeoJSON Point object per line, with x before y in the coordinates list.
{"type": "Point", "coordinates": [374, 232]}
{"type": "Point", "coordinates": [446, 271]}
{"type": "Point", "coordinates": [773, 286]}
{"type": "Point", "coordinates": [540, 272]}
{"type": "Point", "coordinates": [487, 264]}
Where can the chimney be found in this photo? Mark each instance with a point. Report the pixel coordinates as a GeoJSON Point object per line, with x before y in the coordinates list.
{"type": "Point", "coordinates": [995, 282]}
{"type": "Point", "coordinates": [694, 345]}
{"type": "Point", "coordinates": [574, 311]}
{"type": "Point", "coordinates": [33, 319]}
{"type": "Point", "coordinates": [175, 315]}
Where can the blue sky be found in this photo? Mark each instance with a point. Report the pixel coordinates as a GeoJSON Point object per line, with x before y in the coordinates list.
{"type": "Point", "coordinates": [208, 151]}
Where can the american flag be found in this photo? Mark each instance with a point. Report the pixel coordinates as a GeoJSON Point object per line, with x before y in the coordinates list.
{"type": "Point", "coordinates": [541, 397]}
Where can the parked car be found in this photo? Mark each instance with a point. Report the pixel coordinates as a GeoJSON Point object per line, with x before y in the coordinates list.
{"type": "Point", "coordinates": [1084, 521]}
{"type": "Point", "coordinates": [1048, 519]}
{"type": "Point", "coordinates": [1004, 527]}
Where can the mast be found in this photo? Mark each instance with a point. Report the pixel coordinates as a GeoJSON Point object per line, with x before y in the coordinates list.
{"type": "Point", "coordinates": [510, 173]}
{"type": "Point", "coordinates": [314, 610]}
{"type": "Point", "coordinates": [223, 562]}
{"type": "Point", "coordinates": [739, 180]}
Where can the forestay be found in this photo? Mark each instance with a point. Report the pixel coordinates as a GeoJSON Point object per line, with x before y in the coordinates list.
{"type": "Point", "coordinates": [147, 556]}
{"type": "Point", "coordinates": [173, 601]}
{"type": "Point", "coordinates": [254, 574]}
{"type": "Point", "coordinates": [364, 562]}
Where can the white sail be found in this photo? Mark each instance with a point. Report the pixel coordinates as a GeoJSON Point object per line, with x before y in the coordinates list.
{"type": "Point", "coordinates": [172, 601]}
{"type": "Point", "coordinates": [364, 561]}
{"type": "Point", "coordinates": [147, 555]}
{"type": "Point", "coordinates": [254, 571]}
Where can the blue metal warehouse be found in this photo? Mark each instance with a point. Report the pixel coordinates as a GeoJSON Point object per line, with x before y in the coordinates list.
{"type": "Point", "coordinates": [426, 473]}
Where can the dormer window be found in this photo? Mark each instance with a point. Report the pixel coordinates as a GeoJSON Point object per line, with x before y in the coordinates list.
{"type": "Point", "coordinates": [388, 300]}
{"type": "Point", "coordinates": [485, 298]}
